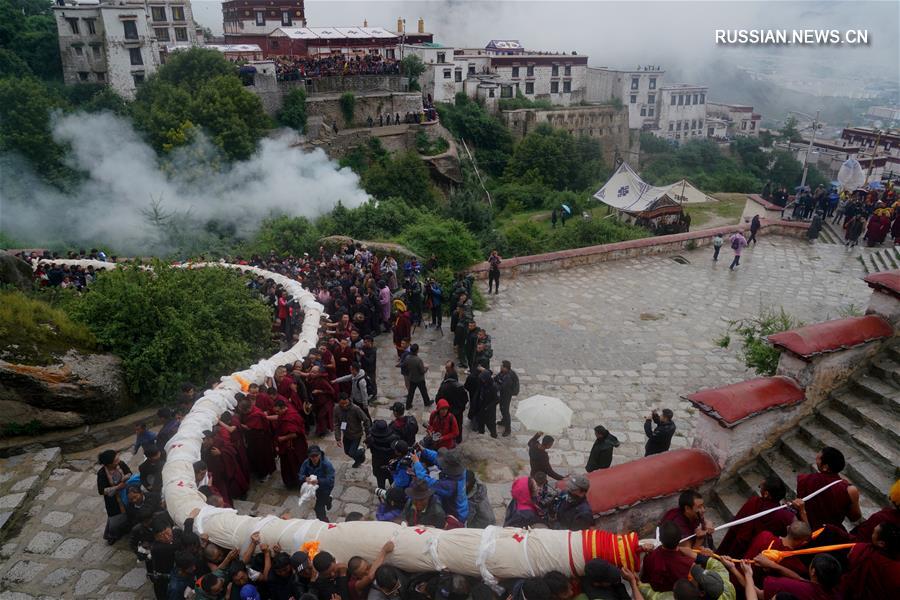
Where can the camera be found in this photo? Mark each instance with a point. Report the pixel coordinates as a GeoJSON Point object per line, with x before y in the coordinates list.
{"type": "Point", "coordinates": [381, 494]}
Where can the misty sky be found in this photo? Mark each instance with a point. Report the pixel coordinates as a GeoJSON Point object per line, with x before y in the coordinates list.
{"type": "Point", "coordinates": [677, 35]}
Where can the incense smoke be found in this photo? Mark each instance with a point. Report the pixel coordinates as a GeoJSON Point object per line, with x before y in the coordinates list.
{"type": "Point", "coordinates": [126, 188]}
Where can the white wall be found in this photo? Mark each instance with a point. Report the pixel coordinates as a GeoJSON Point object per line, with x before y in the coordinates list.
{"type": "Point", "coordinates": [692, 116]}
{"type": "Point", "coordinates": [542, 82]}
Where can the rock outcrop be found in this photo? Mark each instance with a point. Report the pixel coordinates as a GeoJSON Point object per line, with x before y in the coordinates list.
{"type": "Point", "coordinates": [14, 271]}
{"type": "Point", "coordinates": [80, 388]}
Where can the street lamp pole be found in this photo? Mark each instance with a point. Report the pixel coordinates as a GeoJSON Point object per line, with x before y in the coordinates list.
{"type": "Point", "coordinates": [815, 128]}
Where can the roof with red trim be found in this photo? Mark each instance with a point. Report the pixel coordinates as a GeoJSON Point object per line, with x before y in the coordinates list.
{"type": "Point", "coordinates": [832, 336]}
{"type": "Point", "coordinates": [650, 477]}
{"type": "Point", "coordinates": [886, 281]}
{"type": "Point", "coordinates": [731, 404]}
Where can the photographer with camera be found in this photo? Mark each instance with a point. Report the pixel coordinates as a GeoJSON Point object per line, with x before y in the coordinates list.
{"type": "Point", "coordinates": [450, 486]}
{"type": "Point", "coordinates": [400, 466]}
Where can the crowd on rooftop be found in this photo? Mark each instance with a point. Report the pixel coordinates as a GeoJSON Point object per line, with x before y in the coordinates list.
{"type": "Point", "coordinates": [289, 68]}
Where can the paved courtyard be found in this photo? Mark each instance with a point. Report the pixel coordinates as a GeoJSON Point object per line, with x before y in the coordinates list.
{"type": "Point", "coordinates": [612, 340]}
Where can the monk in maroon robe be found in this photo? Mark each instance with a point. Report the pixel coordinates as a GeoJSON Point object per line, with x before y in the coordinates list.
{"type": "Point", "coordinates": [798, 536]}
{"type": "Point", "coordinates": [287, 387]}
{"type": "Point", "coordinates": [344, 357]}
{"type": "Point", "coordinates": [290, 438]}
{"type": "Point", "coordinates": [221, 459]}
{"type": "Point", "coordinates": [265, 401]}
{"type": "Point", "coordinates": [258, 435]}
{"type": "Point", "coordinates": [666, 564]}
{"type": "Point", "coordinates": [324, 397]}
{"type": "Point", "coordinates": [690, 518]}
{"type": "Point", "coordinates": [839, 502]}
{"type": "Point", "coordinates": [230, 431]}
{"type": "Point", "coordinates": [402, 327]}
{"type": "Point", "coordinates": [738, 538]}
{"type": "Point", "coordinates": [863, 532]}
{"type": "Point", "coordinates": [874, 568]}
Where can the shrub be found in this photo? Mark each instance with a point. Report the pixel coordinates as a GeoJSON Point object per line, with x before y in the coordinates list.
{"type": "Point", "coordinates": [172, 325]}
{"type": "Point", "coordinates": [757, 353]}
{"type": "Point", "coordinates": [293, 112]}
{"type": "Point", "coordinates": [32, 330]}
{"type": "Point", "coordinates": [430, 147]}
{"type": "Point", "coordinates": [348, 107]}
{"type": "Point", "coordinates": [449, 239]}
{"type": "Point", "coordinates": [284, 235]}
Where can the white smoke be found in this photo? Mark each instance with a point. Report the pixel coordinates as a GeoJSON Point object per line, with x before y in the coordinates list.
{"type": "Point", "coordinates": [124, 181]}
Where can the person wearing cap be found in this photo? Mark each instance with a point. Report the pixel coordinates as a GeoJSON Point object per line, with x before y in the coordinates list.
{"type": "Point", "coordinates": [573, 511]}
{"type": "Point", "coordinates": [402, 469]}
{"type": "Point", "coordinates": [443, 427]}
{"type": "Point", "coordinates": [423, 508]}
{"type": "Point", "coordinates": [316, 464]}
{"type": "Point", "coordinates": [450, 486]}
{"type": "Point", "coordinates": [112, 478]}
{"type": "Point", "coordinates": [392, 505]}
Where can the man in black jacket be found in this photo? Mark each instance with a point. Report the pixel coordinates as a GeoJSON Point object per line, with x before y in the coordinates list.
{"type": "Point", "coordinates": [602, 450]}
{"type": "Point", "coordinates": [659, 439]}
{"type": "Point", "coordinates": [508, 384]}
{"type": "Point", "coordinates": [455, 393]}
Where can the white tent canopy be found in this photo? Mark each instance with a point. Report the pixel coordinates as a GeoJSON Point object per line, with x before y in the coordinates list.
{"type": "Point", "coordinates": [626, 191]}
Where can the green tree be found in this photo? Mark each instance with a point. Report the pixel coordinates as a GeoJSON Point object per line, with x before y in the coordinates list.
{"type": "Point", "coordinates": [28, 28]}
{"type": "Point", "coordinates": [486, 135]}
{"type": "Point", "coordinates": [556, 159]}
{"type": "Point", "coordinates": [412, 68]}
{"type": "Point", "coordinates": [404, 176]}
{"type": "Point", "coordinates": [175, 325]}
{"type": "Point", "coordinates": [347, 103]}
{"type": "Point", "coordinates": [11, 65]}
{"type": "Point", "coordinates": [284, 236]}
{"type": "Point", "coordinates": [448, 239]}
{"type": "Point", "coordinates": [192, 69]}
{"type": "Point", "coordinates": [789, 131]}
{"type": "Point", "coordinates": [25, 108]}
{"type": "Point", "coordinates": [293, 111]}
{"type": "Point", "coordinates": [233, 117]}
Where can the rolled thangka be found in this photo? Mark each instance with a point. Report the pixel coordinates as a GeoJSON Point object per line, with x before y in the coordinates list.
{"type": "Point", "coordinates": [492, 553]}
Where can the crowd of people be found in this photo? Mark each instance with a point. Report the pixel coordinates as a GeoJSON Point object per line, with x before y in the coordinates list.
{"type": "Point", "coordinates": [423, 479]}
{"type": "Point", "coordinates": [288, 68]}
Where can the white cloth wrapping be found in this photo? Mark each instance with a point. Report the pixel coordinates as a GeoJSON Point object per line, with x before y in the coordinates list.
{"type": "Point", "coordinates": [495, 553]}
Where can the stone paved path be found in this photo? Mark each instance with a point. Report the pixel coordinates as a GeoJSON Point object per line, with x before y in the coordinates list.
{"type": "Point", "coordinates": [611, 340]}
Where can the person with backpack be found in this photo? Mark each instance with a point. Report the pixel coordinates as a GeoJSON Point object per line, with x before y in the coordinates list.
{"type": "Point", "coordinates": [738, 243]}
{"type": "Point", "coordinates": [717, 243]}
{"type": "Point", "coordinates": [455, 393]}
{"type": "Point", "coordinates": [359, 387]}
{"type": "Point", "coordinates": [405, 427]}
{"type": "Point", "coordinates": [508, 385]}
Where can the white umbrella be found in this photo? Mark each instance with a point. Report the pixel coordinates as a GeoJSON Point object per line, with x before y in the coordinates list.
{"type": "Point", "coordinates": [544, 413]}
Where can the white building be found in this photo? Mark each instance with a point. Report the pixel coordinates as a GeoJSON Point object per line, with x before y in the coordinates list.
{"type": "Point", "coordinates": [446, 69]}
{"type": "Point", "coordinates": [119, 44]}
{"type": "Point", "coordinates": [740, 119]}
{"type": "Point", "coordinates": [682, 112]}
{"type": "Point", "coordinates": [637, 89]}
{"type": "Point", "coordinates": [559, 78]}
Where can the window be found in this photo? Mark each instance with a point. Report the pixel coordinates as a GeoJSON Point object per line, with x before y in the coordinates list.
{"type": "Point", "coordinates": [651, 98]}
{"type": "Point", "coordinates": [529, 87]}
{"type": "Point", "coordinates": [744, 125]}
{"type": "Point", "coordinates": [671, 126]}
{"type": "Point", "coordinates": [158, 13]}
{"type": "Point", "coordinates": [753, 126]}
{"type": "Point", "coordinates": [162, 34]}
{"type": "Point", "coordinates": [702, 98]}
{"type": "Point", "coordinates": [130, 30]}
{"type": "Point", "coordinates": [693, 123]}
{"type": "Point", "coordinates": [678, 126]}
{"type": "Point", "coordinates": [491, 93]}
{"type": "Point", "coordinates": [97, 52]}
{"type": "Point", "coordinates": [567, 87]}
{"type": "Point", "coordinates": [567, 70]}
{"type": "Point", "coordinates": [286, 17]}
{"type": "Point", "coordinates": [643, 111]}
{"type": "Point", "coordinates": [700, 124]}
{"type": "Point", "coordinates": [274, 42]}
{"type": "Point", "coordinates": [680, 99]}
{"type": "Point", "coordinates": [260, 18]}
{"type": "Point", "coordinates": [471, 69]}
{"type": "Point", "coordinates": [650, 111]}
{"type": "Point", "coordinates": [632, 99]}
{"type": "Point", "coordinates": [673, 99]}
{"type": "Point", "coordinates": [515, 71]}
{"type": "Point", "coordinates": [506, 91]}
{"type": "Point", "coordinates": [138, 78]}
{"type": "Point", "coordinates": [178, 13]}
{"type": "Point", "coordinates": [555, 71]}
{"type": "Point", "coordinates": [91, 26]}
{"type": "Point", "coordinates": [73, 25]}
{"type": "Point", "coordinates": [687, 100]}
{"type": "Point", "coordinates": [653, 83]}
{"type": "Point", "coordinates": [458, 75]}
{"type": "Point", "coordinates": [448, 73]}
{"type": "Point", "coordinates": [135, 55]}
{"type": "Point", "coordinates": [529, 72]}
{"type": "Point", "coordinates": [78, 51]}
{"type": "Point", "coordinates": [696, 99]}
{"type": "Point", "coordinates": [181, 34]}
{"type": "Point", "coordinates": [389, 53]}
{"type": "Point", "coordinates": [83, 75]}
{"type": "Point", "coordinates": [441, 57]}
{"type": "Point", "coordinates": [554, 87]}
{"type": "Point", "coordinates": [635, 82]}
{"type": "Point", "coordinates": [101, 76]}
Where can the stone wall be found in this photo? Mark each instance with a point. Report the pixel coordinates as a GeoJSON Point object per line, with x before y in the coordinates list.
{"type": "Point", "coordinates": [604, 123]}
{"type": "Point", "coordinates": [664, 244]}
{"type": "Point", "coordinates": [368, 105]}
{"type": "Point", "coordinates": [357, 83]}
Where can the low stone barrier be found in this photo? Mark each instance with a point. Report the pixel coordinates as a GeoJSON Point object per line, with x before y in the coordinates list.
{"type": "Point", "coordinates": [663, 244]}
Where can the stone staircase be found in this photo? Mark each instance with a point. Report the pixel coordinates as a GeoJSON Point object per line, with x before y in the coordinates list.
{"type": "Point", "coordinates": [831, 234]}
{"type": "Point", "coordinates": [882, 259]}
{"type": "Point", "coordinates": [861, 418]}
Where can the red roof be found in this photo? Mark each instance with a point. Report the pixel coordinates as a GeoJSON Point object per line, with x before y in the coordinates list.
{"type": "Point", "coordinates": [650, 477]}
{"type": "Point", "coordinates": [832, 336]}
{"type": "Point", "coordinates": [886, 281]}
{"type": "Point", "coordinates": [731, 404]}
